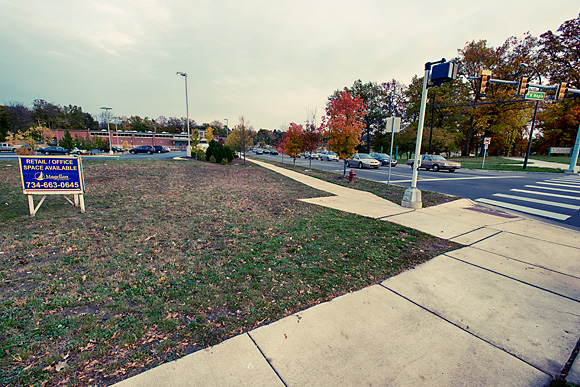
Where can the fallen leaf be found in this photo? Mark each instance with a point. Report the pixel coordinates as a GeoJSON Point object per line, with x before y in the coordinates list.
{"type": "Point", "coordinates": [60, 365]}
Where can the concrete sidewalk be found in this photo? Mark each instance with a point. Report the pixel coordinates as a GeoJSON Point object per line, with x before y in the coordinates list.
{"type": "Point", "coordinates": [545, 164]}
{"type": "Point", "coordinates": [503, 310]}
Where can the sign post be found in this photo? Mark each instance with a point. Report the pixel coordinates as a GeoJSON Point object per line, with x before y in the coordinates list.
{"type": "Point", "coordinates": [394, 125]}
{"type": "Point", "coordinates": [486, 142]}
{"type": "Point", "coordinates": [52, 175]}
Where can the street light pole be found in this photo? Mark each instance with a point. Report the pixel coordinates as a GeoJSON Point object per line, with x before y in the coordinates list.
{"type": "Point", "coordinates": [186, 111]}
{"type": "Point", "coordinates": [227, 127]}
{"type": "Point", "coordinates": [108, 129]}
{"type": "Point", "coordinates": [533, 119]}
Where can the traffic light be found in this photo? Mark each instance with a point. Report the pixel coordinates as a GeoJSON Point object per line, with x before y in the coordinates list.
{"type": "Point", "coordinates": [523, 86]}
{"type": "Point", "coordinates": [484, 81]}
{"type": "Point", "coordinates": [561, 91]}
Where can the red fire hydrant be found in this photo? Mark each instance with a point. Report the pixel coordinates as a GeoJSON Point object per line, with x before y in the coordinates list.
{"type": "Point", "coordinates": [351, 176]}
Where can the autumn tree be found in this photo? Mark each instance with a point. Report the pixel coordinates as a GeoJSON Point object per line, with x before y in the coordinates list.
{"type": "Point", "coordinates": [560, 56]}
{"type": "Point", "coordinates": [502, 117]}
{"type": "Point", "coordinates": [344, 124]}
{"type": "Point", "coordinates": [16, 118]}
{"type": "Point", "coordinates": [240, 138]}
{"type": "Point", "coordinates": [382, 100]}
{"type": "Point", "coordinates": [293, 141]}
{"type": "Point", "coordinates": [209, 134]}
{"type": "Point", "coordinates": [311, 135]}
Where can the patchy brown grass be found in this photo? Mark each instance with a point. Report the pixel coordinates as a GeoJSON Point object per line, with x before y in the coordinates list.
{"type": "Point", "coordinates": [171, 257]}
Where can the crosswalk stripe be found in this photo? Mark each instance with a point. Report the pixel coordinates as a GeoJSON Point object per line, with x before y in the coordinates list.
{"type": "Point", "coordinates": [546, 194]}
{"type": "Point", "coordinates": [558, 185]}
{"type": "Point", "coordinates": [554, 189]}
{"type": "Point", "coordinates": [527, 210]}
{"type": "Point", "coordinates": [539, 201]}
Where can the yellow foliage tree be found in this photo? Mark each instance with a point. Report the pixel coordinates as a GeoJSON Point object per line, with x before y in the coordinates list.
{"type": "Point", "coordinates": [209, 134]}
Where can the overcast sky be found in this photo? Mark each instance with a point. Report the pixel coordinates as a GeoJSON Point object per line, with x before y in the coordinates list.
{"type": "Point", "coordinates": [268, 60]}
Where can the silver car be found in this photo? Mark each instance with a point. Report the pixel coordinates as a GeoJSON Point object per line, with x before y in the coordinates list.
{"type": "Point", "coordinates": [362, 160]}
{"type": "Point", "coordinates": [328, 156]}
{"type": "Point", "coordinates": [435, 162]}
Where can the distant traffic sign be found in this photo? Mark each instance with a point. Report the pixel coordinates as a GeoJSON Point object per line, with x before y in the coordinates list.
{"type": "Point", "coordinates": [535, 95]}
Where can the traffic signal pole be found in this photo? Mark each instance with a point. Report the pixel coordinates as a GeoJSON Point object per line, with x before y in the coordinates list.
{"type": "Point", "coordinates": [574, 158]}
{"type": "Point", "coordinates": [412, 195]}
{"type": "Point", "coordinates": [523, 86]}
{"type": "Point", "coordinates": [531, 134]}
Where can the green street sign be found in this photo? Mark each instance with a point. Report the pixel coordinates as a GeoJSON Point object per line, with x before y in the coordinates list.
{"type": "Point", "coordinates": [535, 95]}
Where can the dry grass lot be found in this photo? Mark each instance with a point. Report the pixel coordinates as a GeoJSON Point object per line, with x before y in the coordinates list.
{"type": "Point", "coordinates": [171, 257]}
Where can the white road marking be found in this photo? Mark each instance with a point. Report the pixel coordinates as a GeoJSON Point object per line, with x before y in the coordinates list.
{"type": "Point", "coordinates": [546, 194]}
{"type": "Point", "coordinates": [539, 201]}
{"type": "Point", "coordinates": [553, 189]}
{"type": "Point", "coordinates": [527, 210]}
{"type": "Point", "coordinates": [559, 185]}
{"type": "Point", "coordinates": [457, 178]}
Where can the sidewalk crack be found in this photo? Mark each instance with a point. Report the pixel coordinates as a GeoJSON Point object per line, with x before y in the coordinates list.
{"type": "Point", "coordinates": [267, 360]}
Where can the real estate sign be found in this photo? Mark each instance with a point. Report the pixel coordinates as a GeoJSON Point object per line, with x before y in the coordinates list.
{"type": "Point", "coordinates": [52, 175]}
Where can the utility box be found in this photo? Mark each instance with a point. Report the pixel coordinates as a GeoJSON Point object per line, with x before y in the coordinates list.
{"type": "Point", "coordinates": [443, 72]}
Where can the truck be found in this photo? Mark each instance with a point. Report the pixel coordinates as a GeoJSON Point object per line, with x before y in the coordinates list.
{"type": "Point", "coordinates": [7, 147]}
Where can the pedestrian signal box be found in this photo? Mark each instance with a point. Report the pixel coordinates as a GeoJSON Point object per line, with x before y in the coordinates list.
{"type": "Point", "coordinates": [443, 72]}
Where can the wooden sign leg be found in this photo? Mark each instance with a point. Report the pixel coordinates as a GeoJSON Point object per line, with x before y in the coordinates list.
{"type": "Point", "coordinates": [31, 205]}
{"type": "Point", "coordinates": [81, 198]}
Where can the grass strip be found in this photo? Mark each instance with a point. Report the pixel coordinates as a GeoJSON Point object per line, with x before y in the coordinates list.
{"type": "Point", "coordinates": [393, 193]}
{"type": "Point", "coordinates": [496, 163]}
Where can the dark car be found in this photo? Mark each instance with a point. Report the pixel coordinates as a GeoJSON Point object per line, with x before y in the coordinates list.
{"type": "Point", "coordinates": [53, 150]}
{"type": "Point", "coordinates": [384, 159]}
{"type": "Point", "coordinates": [160, 149]}
{"type": "Point", "coordinates": [273, 152]}
{"type": "Point", "coordinates": [143, 149]}
{"type": "Point", "coordinates": [114, 148]}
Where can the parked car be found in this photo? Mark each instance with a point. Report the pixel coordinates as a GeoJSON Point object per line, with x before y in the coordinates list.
{"type": "Point", "coordinates": [160, 149]}
{"type": "Point", "coordinates": [53, 150]}
{"type": "Point", "coordinates": [363, 160]}
{"type": "Point", "coordinates": [143, 149]}
{"type": "Point", "coordinates": [436, 162]}
{"type": "Point", "coordinates": [77, 151]}
{"type": "Point", "coordinates": [114, 148]}
{"type": "Point", "coordinates": [328, 156]}
{"type": "Point", "coordinates": [259, 151]}
{"type": "Point", "coordinates": [384, 159]}
{"type": "Point", "coordinates": [273, 152]}
{"type": "Point", "coordinates": [6, 147]}
{"type": "Point", "coordinates": [167, 149]}
{"type": "Point", "coordinates": [311, 155]}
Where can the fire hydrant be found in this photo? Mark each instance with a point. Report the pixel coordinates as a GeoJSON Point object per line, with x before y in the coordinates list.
{"type": "Point", "coordinates": [351, 176]}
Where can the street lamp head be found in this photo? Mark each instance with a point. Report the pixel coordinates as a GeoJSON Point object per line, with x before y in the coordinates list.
{"type": "Point", "coordinates": [182, 74]}
{"type": "Point", "coordinates": [525, 65]}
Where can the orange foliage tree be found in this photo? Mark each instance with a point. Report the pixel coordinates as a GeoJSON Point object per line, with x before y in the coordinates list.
{"type": "Point", "coordinates": [344, 124]}
{"type": "Point", "coordinates": [292, 143]}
